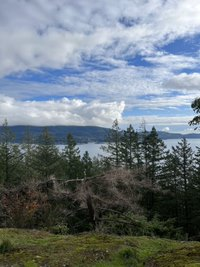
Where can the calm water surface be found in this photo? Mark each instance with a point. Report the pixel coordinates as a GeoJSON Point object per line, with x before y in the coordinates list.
{"type": "Point", "coordinates": [95, 149]}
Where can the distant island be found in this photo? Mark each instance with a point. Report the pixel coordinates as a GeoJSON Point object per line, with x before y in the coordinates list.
{"type": "Point", "coordinates": [82, 134]}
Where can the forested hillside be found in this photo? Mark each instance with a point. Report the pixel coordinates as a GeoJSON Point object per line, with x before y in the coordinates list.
{"type": "Point", "coordinates": [81, 134]}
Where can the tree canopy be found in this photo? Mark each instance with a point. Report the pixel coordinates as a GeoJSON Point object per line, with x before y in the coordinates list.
{"type": "Point", "coordinates": [196, 108]}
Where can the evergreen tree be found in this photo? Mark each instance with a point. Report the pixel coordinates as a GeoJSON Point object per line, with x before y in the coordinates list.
{"type": "Point", "coordinates": [46, 155]}
{"type": "Point", "coordinates": [28, 148]}
{"type": "Point", "coordinates": [154, 151]}
{"type": "Point", "coordinates": [143, 139]}
{"type": "Point", "coordinates": [87, 165]}
{"type": "Point", "coordinates": [169, 183]}
{"type": "Point", "coordinates": [196, 108]}
{"type": "Point", "coordinates": [10, 157]}
{"type": "Point", "coordinates": [130, 148]}
{"type": "Point", "coordinates": [194, 195]}
{"type": "Point", "coordinates": [197, 167]}
{"type": "Point", "coordinates": [72, 159]}
{"type": "Point", "coordinates": [185, 169]}
{"type": "Point", "coordinates": [113, 148]}
{"type": "Point", "coordinates": [154, 154]}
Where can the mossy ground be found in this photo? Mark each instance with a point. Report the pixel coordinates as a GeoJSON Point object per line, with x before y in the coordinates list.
{"type": "Point", "coordinates": [36, 248]}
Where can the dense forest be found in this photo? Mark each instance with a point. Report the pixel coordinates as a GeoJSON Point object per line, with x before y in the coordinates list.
{"type": "Point", "coordinates": [138, 188]}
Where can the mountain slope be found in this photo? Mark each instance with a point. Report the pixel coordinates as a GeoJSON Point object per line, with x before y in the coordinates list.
{"type": "Point", "coordinates": [82, 134]}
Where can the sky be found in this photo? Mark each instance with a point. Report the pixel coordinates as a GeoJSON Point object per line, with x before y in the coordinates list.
{"type": "Point", "coordinates": [86, 62]}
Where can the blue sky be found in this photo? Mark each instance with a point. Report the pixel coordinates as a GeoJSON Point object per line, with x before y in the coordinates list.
{"type": "Point", "coordinates": [89, 62]}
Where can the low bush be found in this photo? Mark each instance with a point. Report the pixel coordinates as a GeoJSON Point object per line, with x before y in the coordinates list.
{"type": "Point", "coordinates": [130, 224]}
{"type": "Point", "coordinates": [128, 257]}
{"type": "Point", "coordinates": [59, 229]}
{"type": "Point", "coordinates": [6, 246]}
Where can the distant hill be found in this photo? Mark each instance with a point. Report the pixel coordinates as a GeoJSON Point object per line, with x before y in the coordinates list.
{"type": "Point", "coordinates": [82, 134]}
{"type": "Point", "coordinates": [166, 135]}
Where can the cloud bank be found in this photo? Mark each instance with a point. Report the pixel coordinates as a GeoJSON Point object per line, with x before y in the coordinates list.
{"type": "Point", "coordinates": [59, 112]}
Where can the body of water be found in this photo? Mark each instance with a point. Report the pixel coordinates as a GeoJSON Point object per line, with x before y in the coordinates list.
{"type": "Point", "coordinates": [95, 149]}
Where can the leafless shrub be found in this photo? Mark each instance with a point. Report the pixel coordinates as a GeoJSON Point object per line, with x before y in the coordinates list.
{"type": "Point", "coordinates": [33, 204]}
{"type": "Point", "coordinates": [116, 191]}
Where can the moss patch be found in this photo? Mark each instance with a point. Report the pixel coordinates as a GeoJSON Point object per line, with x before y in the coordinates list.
{"type": "Point", "coordinates": [186, 256]}
{"type": "Point", "coordinates": [38, 249]}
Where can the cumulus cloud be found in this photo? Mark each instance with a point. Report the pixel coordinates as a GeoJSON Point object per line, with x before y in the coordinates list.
{"type": "Point", "coordinates": [78, 112]}
{"type": "Point", "coordinates": [59, 112]}
{"type": "Point", "coordinates": [166, 129]}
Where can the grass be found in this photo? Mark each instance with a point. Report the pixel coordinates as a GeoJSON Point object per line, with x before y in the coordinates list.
{"type": "Point", "coordinates": [186, 256]}
{"type": "Point", "coordinates": [35, 249]}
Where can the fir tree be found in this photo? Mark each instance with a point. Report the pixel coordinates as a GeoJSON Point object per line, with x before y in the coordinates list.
{"type": "Point", "coordinates": [28, 148]}
{"type": "Point", "coordinates": [46, 155]}
{"type": "Point", "coordinates": [10, 157]}
{"type": "Point", "coordinates": [169, 182]}
{"type": "Point", "coordinates": [130, 148]}
{"type": "Point", "coordinates": [185, 169]}
{"type": "Point", "coordinates": [87, 165]}
{"type": "Point", "coordinates": [72, 159]}
{"type": "Point", "coordinates": [113, 148]}
{"type": "Point", "coordinates": [154, 151]}
{"type": "Point", "coordinates": [154, 154]}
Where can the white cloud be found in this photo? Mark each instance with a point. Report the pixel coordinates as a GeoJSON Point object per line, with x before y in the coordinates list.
{"type": "Point", "coordinates": [78, 112]}
{"type": "Point", "coordinates": [184, 81]}
{"type": "Point", "coordinates": [173, 62]}
{"type": "Point", "coordinates": [54, 34]}
{"type": "Point", "coordinates": [60, 112]}
{"type": "Point", "coordinates": [138, 87]}
{"type": "Point", "coordinates": [166, 129]}
{"type": "Point", "coordinates": [63, 33]}
{"type": "Point", "coordinates": [124, 83]}
{"type": "Point", "coordinates": [153, 120]}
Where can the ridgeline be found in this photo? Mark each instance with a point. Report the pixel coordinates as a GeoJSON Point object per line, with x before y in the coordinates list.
{"type": "Point", "coordinates": [82, 134]}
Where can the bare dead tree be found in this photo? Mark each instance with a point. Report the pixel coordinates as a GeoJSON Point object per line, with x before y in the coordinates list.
{"type": "Point", "coordinates": [117, 191]}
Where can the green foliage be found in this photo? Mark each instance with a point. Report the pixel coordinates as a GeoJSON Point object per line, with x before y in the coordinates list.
{"type": "Point", "coordinates": [165, 229]}
{"type": "Point", "coordinates": [196, 108]}
{"type": "Point", "coordinates": [158, 180]}
{"type": "Point", "coordinates": [28, 147]}
{"type": "Point", "coordinates": [130, 224]}
{"type": "Point", "coordinates": [59, 229]}
{"type": "Point", "coordinates": [72, 160]}
{"type": "Point", "coordinates": [87, 165]}
{"type": "Point", "coordinates": [131, 149]}
{"type": "Point", "coordinates": [128, 257]}
{"type": "Point", "coordinates": [30, 264]}
{"type": "Point", "coordinates": [10, 157]}
{"type": "Point", "coordinates": [45, 158]}
{"type": "Point", "coordinates": [6, 246]}
{"type": "Point", "coordinates": [113, 146]}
